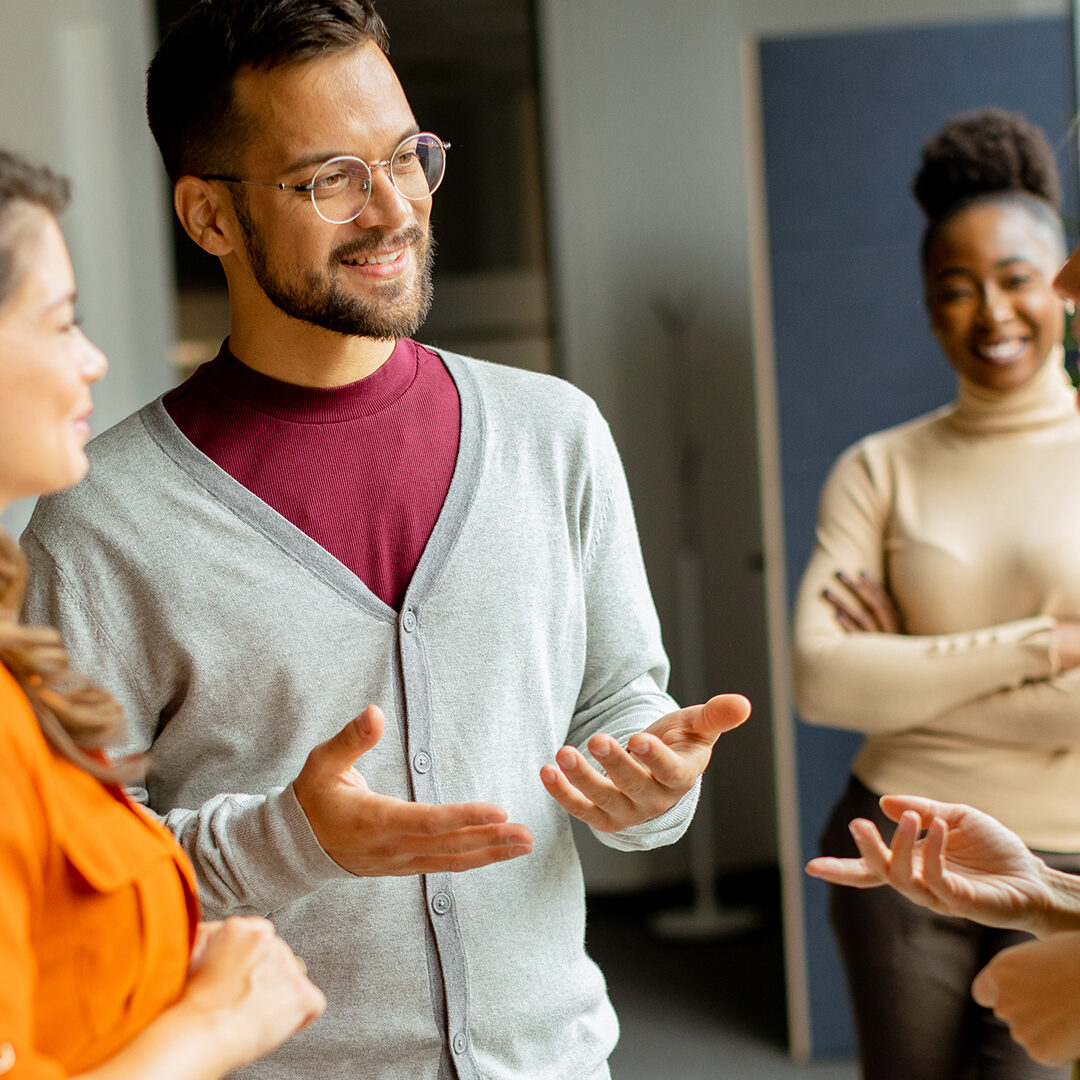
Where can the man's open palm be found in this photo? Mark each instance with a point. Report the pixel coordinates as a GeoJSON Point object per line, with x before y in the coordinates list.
{"type": "Point", "coordinates": [657, 768]}
{"type": "Point", "coordinates": [375, 835]}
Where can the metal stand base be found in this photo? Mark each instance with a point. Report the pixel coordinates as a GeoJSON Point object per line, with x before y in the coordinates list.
{"type": "Point", "coordinates": [704, 921]}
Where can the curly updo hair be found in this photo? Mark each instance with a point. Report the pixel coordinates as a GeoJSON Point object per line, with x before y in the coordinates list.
{"type": "Point", "coordinates": [988, 155]}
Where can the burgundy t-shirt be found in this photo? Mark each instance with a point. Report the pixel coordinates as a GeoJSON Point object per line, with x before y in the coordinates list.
{"type": "Point", "coordinates": [363, 469]}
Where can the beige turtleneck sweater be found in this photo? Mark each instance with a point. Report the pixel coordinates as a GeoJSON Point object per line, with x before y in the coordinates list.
{"type": "Point", "coordinates": [971, 517]}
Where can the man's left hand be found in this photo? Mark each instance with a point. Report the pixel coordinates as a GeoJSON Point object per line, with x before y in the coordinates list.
{"type": "Point", "coordinates": [657, 768]}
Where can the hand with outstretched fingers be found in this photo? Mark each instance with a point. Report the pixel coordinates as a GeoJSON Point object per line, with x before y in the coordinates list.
{"type": "Point", "coordinates": [656, 769]}
{"type": "Point", "coordinates": [373, 835]}
{"type": "Point", "coordinates": [1035, 989]}
{"type": "Point", "coordinates": [967, 864]}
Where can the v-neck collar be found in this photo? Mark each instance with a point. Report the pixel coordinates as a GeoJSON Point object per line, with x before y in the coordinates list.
{"type": "Point", "coordinates": [264, 519]}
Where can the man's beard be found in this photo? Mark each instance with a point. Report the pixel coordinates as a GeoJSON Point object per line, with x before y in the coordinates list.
{"type": "Point", "coordinates": [319, 299]}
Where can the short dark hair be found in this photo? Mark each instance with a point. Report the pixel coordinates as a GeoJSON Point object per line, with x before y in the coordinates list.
{"type": "Point", "coordinates": [189, 85]}
{"type": "Point", "coordinates": [988, 155]}
{"type": "Point", "coordinates": [21, 185]}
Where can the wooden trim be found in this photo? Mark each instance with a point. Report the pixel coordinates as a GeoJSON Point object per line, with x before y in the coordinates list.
{"type": "Point", "coordinates": [776, 600]}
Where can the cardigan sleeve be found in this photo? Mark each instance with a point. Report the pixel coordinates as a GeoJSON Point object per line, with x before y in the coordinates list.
{"type": "Point", "coordinates": [22, 827]}
{"type": "Point", "coordinates": [252, 852]}
{"type": "Point", "coordinates": [879, 683]}
{"type": "Point", "coordinates": [624, 684]}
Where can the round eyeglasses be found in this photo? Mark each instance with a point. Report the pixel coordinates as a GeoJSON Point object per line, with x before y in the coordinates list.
{"type": "Point", "coordinates": [341, 187]}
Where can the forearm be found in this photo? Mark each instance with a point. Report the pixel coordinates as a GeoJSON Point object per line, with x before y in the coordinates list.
{"type": "Point", "coordinates": [1044, 713]}
{"type": "Point", "coordinates": [252, 853]}
{"type": "Point", "coordinates": [181, 1044]}
{"type": "Point", "coordinates": [882, 683]}
{"type": "Point", "coordinates": [1060, 912]}
{"type": "Point", "coordinates": [624, 683]}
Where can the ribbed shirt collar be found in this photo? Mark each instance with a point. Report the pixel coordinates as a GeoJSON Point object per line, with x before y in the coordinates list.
{"type": "Point", "coordinates": [315, 405]}
{"type": "Point", "coordinates": [1046, 399]}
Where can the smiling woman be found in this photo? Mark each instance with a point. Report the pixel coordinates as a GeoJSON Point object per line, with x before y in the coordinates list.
{"type": "Point", "coordinates": [939, 612]}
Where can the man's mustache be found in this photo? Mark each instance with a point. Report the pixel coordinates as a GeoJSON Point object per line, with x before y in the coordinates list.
{"type": "Point", "coordinates": [363, 245]}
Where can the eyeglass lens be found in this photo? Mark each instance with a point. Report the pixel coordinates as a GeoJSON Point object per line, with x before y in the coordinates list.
{"type": "Point", "coordinates": [342, 186]}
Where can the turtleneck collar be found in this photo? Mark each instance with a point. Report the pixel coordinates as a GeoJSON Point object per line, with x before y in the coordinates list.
{"type": "Point", "coordinates": [1046, 399]}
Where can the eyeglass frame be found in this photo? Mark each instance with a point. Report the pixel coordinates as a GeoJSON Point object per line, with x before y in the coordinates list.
{"type": "Point", "coordinates": [371, 166]}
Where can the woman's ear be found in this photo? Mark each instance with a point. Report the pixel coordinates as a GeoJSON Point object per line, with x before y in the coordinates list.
{"type": "Point", "coordinates": [207, 218]}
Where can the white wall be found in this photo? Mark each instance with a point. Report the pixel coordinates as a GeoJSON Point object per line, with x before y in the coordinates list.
{"type": "Point", "coordinates": [645, 114]}
{"type": "Point", "coordinates": [71, 96]}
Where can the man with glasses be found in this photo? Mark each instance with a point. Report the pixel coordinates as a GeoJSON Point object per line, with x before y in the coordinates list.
{"type": "Point", "coordinates": [330, 515]}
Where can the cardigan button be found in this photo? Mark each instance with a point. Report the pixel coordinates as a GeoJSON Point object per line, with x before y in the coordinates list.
{"type": "Point", "coordinates": [422, 762]}
{"type": "Point", "coordinates": [408, 621]}
{"type": "Point", "coordinates": [440, 903]}
{"type": "Point", "coordinates": [460, 1043]}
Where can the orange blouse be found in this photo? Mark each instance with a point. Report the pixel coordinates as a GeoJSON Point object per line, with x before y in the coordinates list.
{"type": "Point", "coordinates": [98, 908]}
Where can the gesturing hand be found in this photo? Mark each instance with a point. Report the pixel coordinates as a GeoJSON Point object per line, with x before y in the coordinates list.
{"type": "Point", "coordinates": [657, 768]}
{"type": "Point", "coordinates": [1033, 988]}
{"type": "Point", "coordinates": [376, 835]}
{"type": "Point", "coordinates": [865, 607]}
{"type": "Point", "coordinates": [968, 864]}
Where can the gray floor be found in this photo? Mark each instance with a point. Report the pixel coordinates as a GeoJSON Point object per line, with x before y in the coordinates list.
{"type": "Point", "coordinates": [704, 1011]}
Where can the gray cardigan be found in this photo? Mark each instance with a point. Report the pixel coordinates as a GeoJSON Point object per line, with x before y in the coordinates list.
{"type": "Point", "coordinates": [236, 643]}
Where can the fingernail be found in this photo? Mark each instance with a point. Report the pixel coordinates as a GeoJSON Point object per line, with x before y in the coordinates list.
{"type": "Point", "coordinates": [603, 750]}
{"type": "Point", "coordinates": [520, 849]}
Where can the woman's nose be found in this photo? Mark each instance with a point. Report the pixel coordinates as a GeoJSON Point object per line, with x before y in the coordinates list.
{"type": "Point", "coordinates": [95, 362]}
{"type": "Point", "coordinates": [995, 307]}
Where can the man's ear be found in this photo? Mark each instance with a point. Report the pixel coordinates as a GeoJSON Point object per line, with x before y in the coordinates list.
{"type": "Point", "coordinates": [207, 217]}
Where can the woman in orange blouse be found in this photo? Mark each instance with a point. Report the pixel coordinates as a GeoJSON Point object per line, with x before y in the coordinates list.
{"type": "Point", "coordinates": [105, 971]}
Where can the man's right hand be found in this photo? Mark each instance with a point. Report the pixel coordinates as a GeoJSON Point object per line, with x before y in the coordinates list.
{"type": "Point", "coordinates": [373, 835]}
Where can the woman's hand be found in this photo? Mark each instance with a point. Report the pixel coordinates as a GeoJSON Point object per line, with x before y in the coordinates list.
{"type": "Point", "coordinates": [245, 978]}
{"type": "Point", "coordinates": [1065, 642]}
{"type": "Point", "coordinates": [246, 994]}
{"type": "Point", "coordinates": [968, 864]}
{"type": "Point", "coordinates": [1035, 989]}
{"type": "Point", "coordinates": [865, 606]}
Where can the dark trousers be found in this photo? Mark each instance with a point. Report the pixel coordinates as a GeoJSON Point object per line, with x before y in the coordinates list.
{"type": "Point", "coordinates": [909, 974]}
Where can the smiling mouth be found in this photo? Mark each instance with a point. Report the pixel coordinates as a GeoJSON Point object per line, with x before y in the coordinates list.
{"type": "Point", "coordinates": [379, 259]}
{"type": "Point", "coordinates": [1001, 352]}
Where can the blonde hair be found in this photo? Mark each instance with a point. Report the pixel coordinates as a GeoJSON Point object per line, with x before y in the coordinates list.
{"type": "Point", "coordinates": [76, 716]}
